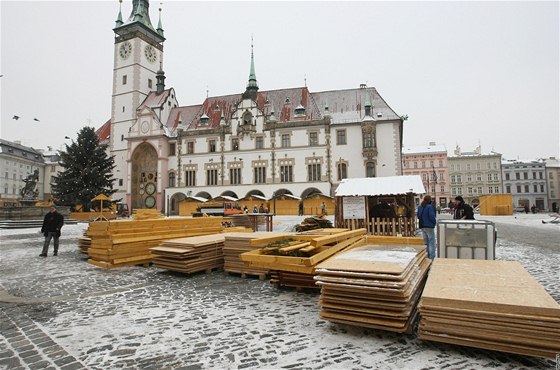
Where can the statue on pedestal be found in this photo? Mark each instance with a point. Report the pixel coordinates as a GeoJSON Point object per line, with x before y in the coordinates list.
{"type": "Point", "coordinates": [29, 192]}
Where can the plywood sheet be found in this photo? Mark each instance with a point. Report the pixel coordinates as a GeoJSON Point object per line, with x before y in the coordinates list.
{"type": "Point", "coordinates": [392, 259]}
{"type": "Point", "coordinates": [492, 286]}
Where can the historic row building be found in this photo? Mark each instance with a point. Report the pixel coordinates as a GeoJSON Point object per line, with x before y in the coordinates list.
{"type": "Point", "coordinates": [472, 174]}
{"type": "Point", "coordinates": [526, 182]}
{"type": "Point", "coordinates": [553, 184]}
{"type": "Point", "coordinates": [17, 163]}
{"type": "Point", "coordinates": [288, 141]}
{"type": "Point", "coordinates": [429, 162]}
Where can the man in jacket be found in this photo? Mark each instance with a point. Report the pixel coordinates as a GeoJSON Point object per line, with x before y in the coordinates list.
{"type": "Point", "coordinates": [427, 220]}
{"type": "Point", "coordinates": [462, 211]}
{"type": "Point", "coordinates": [52, 223]}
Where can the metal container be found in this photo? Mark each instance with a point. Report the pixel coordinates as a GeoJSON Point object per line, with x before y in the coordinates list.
{"type": "Point", "coordinates": [466, 239]}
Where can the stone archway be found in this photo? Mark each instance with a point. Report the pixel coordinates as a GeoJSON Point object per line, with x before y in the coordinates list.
{"type": "Point", "coordinates": [204, 194]}
{"type": "Point", "coordinates": [310, 192]}
{"type": "Point", "coordinates": [143, 192]}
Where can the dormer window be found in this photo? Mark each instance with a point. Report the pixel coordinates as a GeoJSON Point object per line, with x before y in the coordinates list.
{"type": "Point", "coordinates": [300, 111]}
{"type": "Point", "coordinates": [204, 119]}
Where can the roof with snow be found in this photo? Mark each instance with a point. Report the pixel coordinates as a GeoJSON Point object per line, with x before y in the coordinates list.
{"type": "Point", "coordinates": [345, 106]}
{"type": "Point", "coordinates": [421, 149]}
{"type": "Point", "coordinates": [155, 99]}
{"type": "Point", "coordinates": [374, 186]}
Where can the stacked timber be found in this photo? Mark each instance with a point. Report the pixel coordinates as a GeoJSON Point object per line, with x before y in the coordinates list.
{"type": "Point", "coordinates": [146, 214]}
{"type": "Point", "coordinates": [495, 305]}
{"type": "Point", "coordinates": [190, 255]}
{"type": "Point", "coordinates": [312, 223]}
{"type": "Point", "coordinates": [292, 260]}
{"type": "Point", "coordinates": [84, 243]}
{"type": "Point", "coordinates": [374, 286]}
{"type": "Point", "coordinates": [128, 242]}
{"type": "Point", "coordinates": [237, 243]}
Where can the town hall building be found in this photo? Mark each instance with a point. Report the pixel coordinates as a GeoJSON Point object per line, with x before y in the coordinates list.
{"type": "Point", "coordinates": [267, 143]}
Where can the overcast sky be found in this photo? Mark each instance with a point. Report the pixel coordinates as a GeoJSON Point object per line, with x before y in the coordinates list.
{"type": "Point", "coordinates": [464, 72]}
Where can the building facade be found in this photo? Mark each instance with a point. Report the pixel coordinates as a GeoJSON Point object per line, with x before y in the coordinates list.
{"type": "Point", "coordinates": [526, 182]}
{"type": "Point", "coordinates": [472, 174]}
{"type": "Point", "coordinates": [268, 143]}
{"type": "Point", "coordinates": [429, 162]}
{"type": "Point", "coordinates": [17, 162]}
{"type": "Point", "coordinates": [553, 178]}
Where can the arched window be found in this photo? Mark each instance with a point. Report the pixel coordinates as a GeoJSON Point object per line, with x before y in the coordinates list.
{"type": "Point", "coordinates": [370, 169]}
{"type": "Point", "coordinates": [342, 171]}
{"type": "Point", "coordinates": [172, 179]}
{"type": "Point", "coordinates": [247, 118]}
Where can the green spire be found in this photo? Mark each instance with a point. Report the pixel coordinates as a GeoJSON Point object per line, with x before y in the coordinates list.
{"type": "Point", "coordinates": [159, 27]}
{"type": "Point", "coordinates": [367, 105]}
{"type": "Point", "coordinates": [119, 21]}
{"type": "Point", "coordinates": [141, 13]}
{"type": "Point", "coordinates": [252, 84]}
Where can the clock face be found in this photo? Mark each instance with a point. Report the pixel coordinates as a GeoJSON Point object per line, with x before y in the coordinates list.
{"type": "Point", "coordinates": [150, 188]}
{"type": "Point", "coordinates": [125, 50]}
{"type": "Point", "coordinates": [144, 127]}
{"type": "Point", "coordinates": [150, 53]}
{"type": "Point", "coordinates": [150, 202]}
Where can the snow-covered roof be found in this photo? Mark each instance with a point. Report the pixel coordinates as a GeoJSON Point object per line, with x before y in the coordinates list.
{"type": "Point", "coordinates": [227, 197]}
{"type": "Point", "coordinates": [255, 196]}
{"type": "Point", "coordinates": [373, 186]}
{"type": "Point", "coordinates": [290, 196]}
{"type": "Point", "coordinates": [424, 149]}
{"type": "Point", "coordinates": [200, 199]}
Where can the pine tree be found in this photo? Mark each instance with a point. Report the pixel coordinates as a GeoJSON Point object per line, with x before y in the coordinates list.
{"type": "Point", "coordinates": [87, 171]}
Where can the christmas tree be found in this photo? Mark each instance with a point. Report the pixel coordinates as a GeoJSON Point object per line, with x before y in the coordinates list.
{"type": "Point", "coordinates": [87, 171]}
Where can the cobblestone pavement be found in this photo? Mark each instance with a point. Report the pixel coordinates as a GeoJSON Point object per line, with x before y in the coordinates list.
{"type": "Point", "coordinates": [62, 313]}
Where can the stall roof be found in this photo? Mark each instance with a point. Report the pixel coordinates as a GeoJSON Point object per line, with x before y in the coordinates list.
{"type": "Point", "coordinates": [226, 197]}
{"type": "Point", "coordinates": [255, 196]}
{"type": "Point", "coordinates": [200, 199]}
{"type": "Point", "coordinates": [289, 196]}
{"type": "Point", "coordinates": [372, 186]}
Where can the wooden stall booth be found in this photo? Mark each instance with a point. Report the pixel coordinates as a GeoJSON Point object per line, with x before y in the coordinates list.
{"type": "Point", "coordinates": [382, 205]}
{"type": "Point", "coordinates": [496, 205]}
{"type": "Point", "coordinates": [312, 204]}
{"type": "Point", "coordinates": [253, 200]}
{"type": "Point", "coordinates": [285, 204]}
{"type": "Point", "coordinates": [189, 205]}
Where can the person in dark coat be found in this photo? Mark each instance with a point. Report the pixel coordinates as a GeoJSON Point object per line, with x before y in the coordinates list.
{"type": "Point", "coordinates": [462, 210]}
{"type": "Point", "coordinates": [52, 223]}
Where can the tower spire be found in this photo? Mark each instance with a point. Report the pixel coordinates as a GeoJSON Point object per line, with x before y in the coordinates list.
{"type": "Point", "coordinates": [159, 26]}
{"type": "Point", "coordinates": [252, 85]}
{"type": "Point", "coordinates": [160, 79]}
{"type": "Point", "coordinates": [119, 21]}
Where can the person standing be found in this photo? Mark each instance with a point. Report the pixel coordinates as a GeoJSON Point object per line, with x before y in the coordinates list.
{"type": "Point", "coordinates": [323, 208]}
{"type": "Point", "coordinates": [462, 210]}
{"type": "Point", "coordinates": [427, 219]}
{"type": "Point", "coordinates": [52, 223]}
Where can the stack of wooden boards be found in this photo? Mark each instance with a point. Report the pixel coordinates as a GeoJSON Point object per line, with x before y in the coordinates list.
{"type": "Point", "coordinates": [189, 255]}
{"type": "Point", "coordinates": [298, 271]}
{"type": "Point", "coordinates": [494, 305]}
{"type": "Point", "coordinates": [84, 243]}
{"type": "Point", "coordinates": [375, 286]}
{"type": "Point", "coordinates": [238, 243]}
{"type": "Point", "coordinates": [146, 214]}
{"type": "Point", "coordinates": [128, 242]}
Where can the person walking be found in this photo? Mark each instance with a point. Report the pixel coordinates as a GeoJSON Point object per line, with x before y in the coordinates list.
{"type": "Point", "coordinates": [462, 210]}
{"type": "Point", "coordinates": [427, 222]}
{"type": "Point", "coordinates": [52, 223]}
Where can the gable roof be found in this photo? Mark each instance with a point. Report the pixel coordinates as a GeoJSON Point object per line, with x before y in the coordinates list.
{"type": "Point", "coordinates": [155, 100]}
{"type": "Point", "coordinates": [104, 131]}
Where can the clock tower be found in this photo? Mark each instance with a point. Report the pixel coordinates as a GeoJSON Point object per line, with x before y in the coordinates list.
{"type": "Point", "coordinates": [138, 54]}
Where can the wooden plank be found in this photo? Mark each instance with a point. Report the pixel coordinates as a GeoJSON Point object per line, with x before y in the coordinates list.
{"type": "Point", "coordinates": [337, 237]}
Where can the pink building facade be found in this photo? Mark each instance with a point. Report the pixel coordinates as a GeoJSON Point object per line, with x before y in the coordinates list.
{"type": "Point", "coordinates": [430, 163]}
